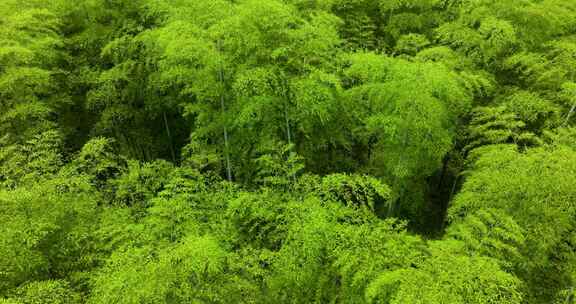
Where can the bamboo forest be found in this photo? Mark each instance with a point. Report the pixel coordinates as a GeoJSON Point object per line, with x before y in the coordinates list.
{"type": "Point", "coordinates": [287, 151]}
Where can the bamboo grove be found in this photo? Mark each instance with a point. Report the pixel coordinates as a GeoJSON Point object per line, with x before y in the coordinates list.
{"type": "Point", "coordinates": [287, 151]}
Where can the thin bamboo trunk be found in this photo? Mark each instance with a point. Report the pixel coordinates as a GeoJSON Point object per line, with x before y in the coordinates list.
{"type": "Point", "coordinates": [169, 137]}
{"type": "Point", "coordinates": [225, 129]}
{"type": "Point", "coordinates": [570, 113]}
{"type": "Point", "coordinates": [226, 145]}
{"type": "Point", "coordinates": [287, 120]}
{"type": "Point", "coordinates": [223, 112]}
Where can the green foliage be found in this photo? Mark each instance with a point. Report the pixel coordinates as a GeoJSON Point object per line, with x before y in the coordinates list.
{"type": "Point", "coordinates": [39, 157]}
{"type": "Point", "coordinates": [279, 169]}
{"type": "Point", "coordinates": [411, 44]}
{"type": "Point", "coordinates": [447, 277]}
{"type": "Point", "coordinates": [46, 292]}
{"type": "Point", "coordinates": [98, 161]}
{"type": "Point", "coordinates": [141, 182]}
{"type": "Point", "coordinates": [45, 234]}
{"type": "Point", "coordinates": [257, 218]}
{"type": "Point", "coordinates": [287, 151]}
{"type": "Point", "coordinates": [496, 125]}
{"type": "Point", "coordinates": [28, 63]}
{"type": "Point", "coordinates": [406, 116]}
{"type": "Point", "coordinates": [370, 250]}
{"type": "Point", "coordinates": [356, 191]}
{"type": "Point", "coordinates": [536, 189]}
{"type": "Point", "coordinates": [491, 233]}
{"type": "Point", "coordinates": [411, 128]}
{"type": "Point", "coordinates": [193, 271]}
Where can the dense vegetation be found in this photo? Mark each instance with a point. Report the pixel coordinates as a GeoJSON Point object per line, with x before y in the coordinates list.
{"type": "Point", "coordinates": [287, 151]}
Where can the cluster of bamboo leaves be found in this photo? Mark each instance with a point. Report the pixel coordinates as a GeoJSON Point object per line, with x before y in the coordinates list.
{"type": "Point", "coordinates": [287, 151]}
